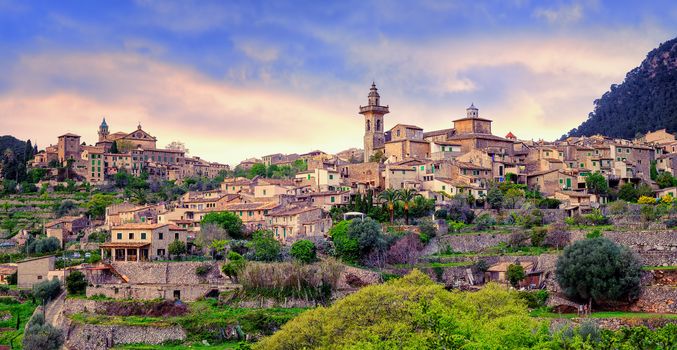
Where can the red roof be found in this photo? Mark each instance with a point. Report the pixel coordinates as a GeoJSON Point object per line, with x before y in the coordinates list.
{"type": "Point", "coordinates": [510, 136]}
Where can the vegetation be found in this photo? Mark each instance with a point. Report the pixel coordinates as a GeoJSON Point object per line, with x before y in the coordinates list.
{"type": "Point", "coordinates": [515, 274]}
{"type": "Point", "coordinates": [304, 251]}
{"type": "Point", "coordinates": [234, 266]}
{"type": "Point", "coordinates": [176, 248]}
{"type": "Point", "coordinates": [41, 335]}
{"type": "Point", "coordinates": [76, 283]}
{"type": "Point", "coordinates": [231, 223]}
{"type": "Point", "coordinates": [643, 102]}
{"type": "Point", "coordinates": [599, 271]}
{"type": "Point", "coordinates": [265, 246]}
{"type": "Point", "coordinates": [47, 290]}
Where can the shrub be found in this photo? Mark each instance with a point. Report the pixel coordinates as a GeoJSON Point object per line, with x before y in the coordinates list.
{"type": "Point", "coordinates": [646, 200]}
{"type": "Point", "coordinates": [589, 330]}
{"type": "Point", "coordinates": [533, 217]}
{"type": "Point", "coordinates": [41, 336]}
{"type": "Point", "coordinates": [43, 246]}
{"type": "Point", "coordinates": [495, 198]}
{"type": "Point", "coordinates": [671, 223]}
{"type": "Point", "coordinates": [648, 213]}
{"type": "Point", "coordinates": [347, 248]}
{"type": "Point", "coordinates": [76, 283]}
{"type": "Point", "coordinates": [482, 265]}
{"type": "Point", "coordinates": [618, 207]}
{"type": "Point", "coordinates": [234, 266]}
{"type": "Point", "coordinates": [595, 218]}
{"type": "Point", "coordinates": [515, 274]}
{"type": "Point", "coordinates": [47, 290]}
{"type": "Point", "coordinates": [202, 270]}
{"type": "Point", "coordinates": [594, 234]}
{"type": "Point", "coordinates": [549, 203]}
{"type": "Point", "coordinates": [534, 299]}
{"type": "Point", "coordinates": [304, 251]}
{"type": "Point", "coordinates": [265, 246]}
{"type": "Point", "coordinates": [538, 235]}
{"type": "Point", "coordinates": [228, 221]}
{"type": "Point", "coordinates": [428, 229]}
{"type": "Point", "coordinates": [597, 269]}
{"type": "Point", "coordinates": [485, 221]}
{"type": "Point", "coordinates": [441, 214]}
{"type": "Point", "coordinates": [176, 248]}
{"type": "Point", "coordinates": [455, 226]}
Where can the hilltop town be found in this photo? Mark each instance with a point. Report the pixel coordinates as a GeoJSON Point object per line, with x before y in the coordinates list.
{"type": "Point", "coordinates": [127, 243]}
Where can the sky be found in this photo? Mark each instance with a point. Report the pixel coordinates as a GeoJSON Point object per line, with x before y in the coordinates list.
{"type": "Point", "coordinates": [240, 79]}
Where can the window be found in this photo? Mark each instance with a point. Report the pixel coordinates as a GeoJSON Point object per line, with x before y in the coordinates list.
{"type": "Point", "coordinates": [332, 199]}
{"type": "Point", "coordinates": [398, 132]}
{"type": "Point", "coordinates": [582, 165]}
{"type": "Point", "coordinates": [627, 150]}
{"type": "Point", "coordinates": [119, 235]}
{"type": "Point", "coordinates": [39, 277]}
{"type": "Point", "coordinates": [143, 235]}
{"type": "Point", "coordinates": [176, 236]}
{"type": "Point", "coordinates": [444, 188]}
{"type": "Point", "coordinates": [131, 235]}
{"type": "Point", "coordinates": [331, 177]}
{"type": "Point", "coordinates": [561, 181]}
{"type": "Point", "coordinates": [160, 236]}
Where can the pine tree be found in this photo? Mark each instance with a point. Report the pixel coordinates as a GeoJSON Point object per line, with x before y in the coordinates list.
{"type": "Point", "coordinates": [28, 151]}
{"type": "Point", "coordinates": [114, 148]}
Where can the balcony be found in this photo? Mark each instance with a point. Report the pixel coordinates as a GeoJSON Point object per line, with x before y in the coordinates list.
{"type": "Point", "coordinates": [375, 109]}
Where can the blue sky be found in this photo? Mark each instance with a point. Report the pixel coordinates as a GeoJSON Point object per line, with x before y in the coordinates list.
{"type": "Point", "coordinates": [240, 79]}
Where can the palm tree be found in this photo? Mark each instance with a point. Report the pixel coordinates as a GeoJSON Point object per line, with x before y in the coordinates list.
{"type": "Point", "coordinates": [390, 196]}
{"type": "Point", "coordinates": [406, 195]}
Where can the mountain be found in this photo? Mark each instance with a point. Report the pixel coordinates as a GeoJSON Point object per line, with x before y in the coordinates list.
{"type": "Point", "coordinates": [645, 101]}
{"type": "Point", "coordinates": [10, 142]}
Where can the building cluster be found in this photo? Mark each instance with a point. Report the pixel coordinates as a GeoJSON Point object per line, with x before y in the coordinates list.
{"type": "Point", "coordinates": [135, 152]}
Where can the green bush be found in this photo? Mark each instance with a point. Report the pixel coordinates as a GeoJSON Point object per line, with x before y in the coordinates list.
{"type": "Point", "coordinates": [40, 335]}
{"type": "Point", "coordinates": [265, 246]}
{"type": "Point", "coordinates": [234, 266]}
{"type": "Point", "coordinates": [538, 235]}
{"type": "Point", "coordinates": [515, 274]}
{"type": "Point", "coordinates": [534, 299]}
{"type": "Point", "coordinates": [76, 283]}
{"type": "Point", "coordinates": [484, 222]}
{"type": "Point", "coordinates": [304, 251]}
{"type": "Point", "coordinates": [47, 290]}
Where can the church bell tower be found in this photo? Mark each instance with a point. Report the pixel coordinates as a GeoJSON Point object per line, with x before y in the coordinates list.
{"type": "Point", "coordinates": [373, 112]}
{"type": "Point", "coordinates": [103, 130]}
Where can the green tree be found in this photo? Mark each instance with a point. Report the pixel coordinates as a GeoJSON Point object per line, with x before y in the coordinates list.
{"type": "Point", "coordinates": [265, 246]}
{"type": "Point", "coordinates": [76, 283]}
{"type": "Point", "coordinates": [258, 169]}
{"type": "Point", "coordinates": [390, 197]}
{"type": "Point", "coordinates": [347, 248]}
{"type": "Point", "coordinates": [114, 148]}
{"type": "Point", "coordinates": [413, 312]}
{"type": "Point", "coordinates": [598, 270]}
{"type": "Point", "coordinates": [495, 197]}
{"type": "Point", "coordinates": [96, 206]}
{"type": "Point", "coordinates": [596, 183]}
{"type": "Point", "coordinates": [665, 179]}
{"type": "Point", "coordinates": [406, 196]}
{"type": "Point", "coordinates": [304, 251]}
{"type": "Point", "coordinates": [369, 235]}
{"type": "Point", "coordinates": [40, 335]}
{"type": "Point", "coordinates": [515, 274]}
{"type": "Point", "coordinates": [225, 220]}
{"type": "Point", "coordinates": [628, 193]}
{"type": "Point", "coordinates": [644, 190]}
{"type": "Point", "coordinates": [176, 248]}
{"type": "Point", "coordinates": [512, 197]}
{"type": "Point", "coordinates": [653, 172]}
{"type": "Point", "coordinates": [47, 290]}
{"type": "Point", "coordinates": [234, 266]}
{"type": "Point", "coordinates": [377, 157]}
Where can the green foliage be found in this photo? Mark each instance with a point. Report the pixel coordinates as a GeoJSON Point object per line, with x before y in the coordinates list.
{"type": "Point", "coordinates": [427, 229]}
{"type": "Point", "coordinates": [484, 222]}
{"type": "Point", "coordinates": [47, 290]}
{"type": "Point", "coordinates": [538, 235]}
{"type": "Point", "coordinates": [596, 233]}
{"type": "Point", "coordinates": [76, 283]}
{"type": "Point", "coordinates": [534, 298]}
{"type": "Point", "coordinates": [234, 265]}
{"type": "Point", "coordinates": [347, 248]}
{"type": "Point", "coordinates": [43, 246]}
{"type": "Point", "coordinates": [665, 179]}
{"type": "Point", "coordinates": [64, 208]}
{"type": "Point", "coordinates": [495, 198]}
{"type": "Point", "coordinates": [41, 335]}
{"type": "Point", "coordinates": [596, 183]}
{"type": "Point", "coordinates": [515, 274]}
{"type": "Point", "coordinates": [600, 270]}
{"type": "Point", "coordinates": [202, 270]}
{"type": "Point", "coordinates": [369, 236]}
{"type": "Point", "coordinates": [653, 172]}
{"type": "Point", "coordinates": [176, 248]}
{"type": "Point", "coordinates": [413, 312]}
{"type": "Point", "coordinates": [549, 203]}
{"type": "Point", "coordinates": [304, 251]}
{"type": "Point", "coordinates": [265, 246]}
{"type": "Point", "coordinates": [643, 102]}
{"type": "Point", "coordinates": [618, 207]}
{"type": "Point", "coordinates": [225, 220]}
{"type": "Point", "coordinates": [96, 206]}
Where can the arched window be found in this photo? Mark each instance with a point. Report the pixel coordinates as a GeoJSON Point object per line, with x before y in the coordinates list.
{"type": "Point", "coordinates": [368, 125]}
{"type": "Point", "coordinates": [378, 124]}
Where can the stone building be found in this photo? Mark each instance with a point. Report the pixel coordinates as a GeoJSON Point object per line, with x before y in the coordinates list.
{"type": "Point", "coordinates": [34, 270]}
{"type": "Point", "coordinates": [68, 147]}
{"type": "Point", "coordinates": [141, 242]}
{"type": "Point", "coordinates": [373, 112]}
{"type": "Point", "coordinates": [295, 222]}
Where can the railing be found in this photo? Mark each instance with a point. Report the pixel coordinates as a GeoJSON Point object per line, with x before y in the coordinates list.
{"type": "Point", "coordinates": [382, 109]}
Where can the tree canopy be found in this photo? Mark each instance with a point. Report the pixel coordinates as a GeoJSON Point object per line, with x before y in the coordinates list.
{"type": "Point", "coordinates": [598, 269]}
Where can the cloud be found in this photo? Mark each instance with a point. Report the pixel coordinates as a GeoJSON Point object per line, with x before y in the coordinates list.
{"type": "Point", "coordinates": [63, 92]}
{"type": "Point", "coordinates": [189, 16]}
{"type": "Point", "coordinates": [561, 15]}
{"type": "Point", "coordinates": [258, 51]}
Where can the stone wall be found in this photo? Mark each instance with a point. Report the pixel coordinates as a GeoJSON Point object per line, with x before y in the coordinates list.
{"type": "Point", "coordinates": [187, 292]}
{"type": "Point", "coordinates": [549, 215]}
{"type": "Point", "coordinates": [656, 299]}
{"type": "Point", "coordinates": [102, 337]}
{"type": "Point", "coordinates": [468, 243]}
{"type": "Point", "coordinates": [654, 248]}
{"type": "Point", "coordinates": [615, 323]}
{"type": "Point", "coordinates": [169, 272]}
